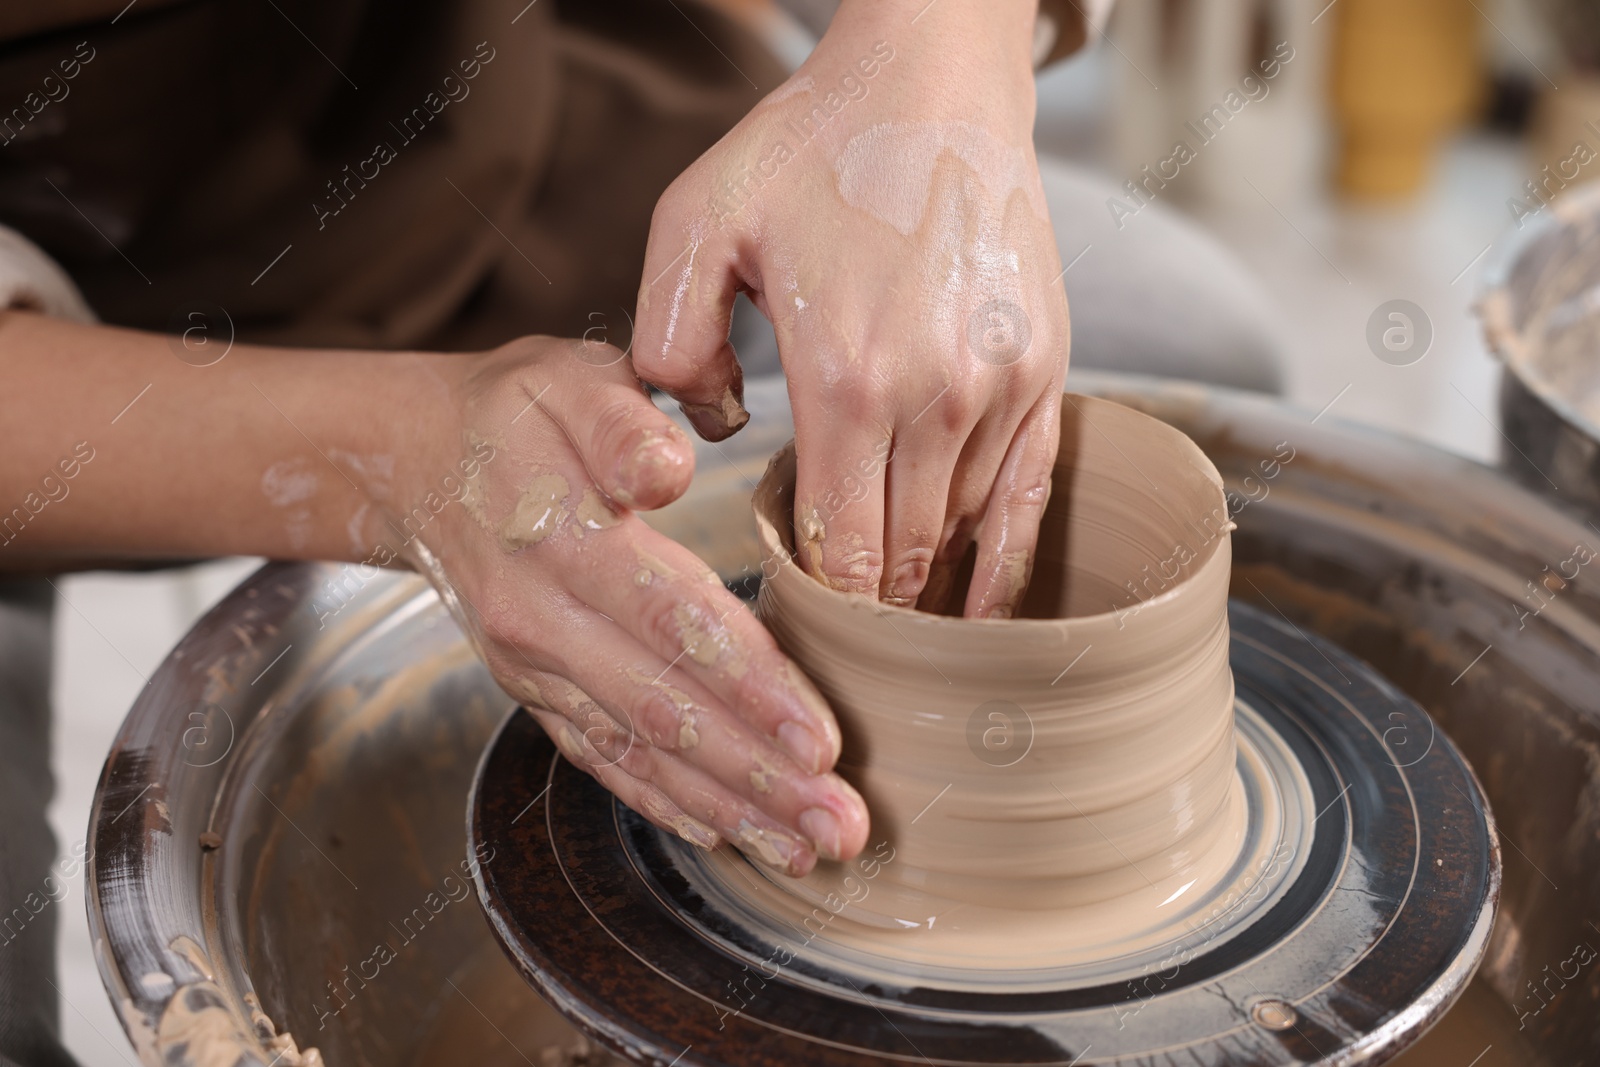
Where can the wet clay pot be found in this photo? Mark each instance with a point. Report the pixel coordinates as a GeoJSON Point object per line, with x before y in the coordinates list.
{"type": "Point", "coordinates": [1079, 753]}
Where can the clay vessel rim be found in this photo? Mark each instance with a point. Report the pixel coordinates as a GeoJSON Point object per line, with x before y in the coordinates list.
{"type": "Point", "coordinates": [775, 546]}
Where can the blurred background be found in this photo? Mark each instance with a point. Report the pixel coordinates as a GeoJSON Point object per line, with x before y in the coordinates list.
{"type": "Point", "coordinates": [1391, 158]}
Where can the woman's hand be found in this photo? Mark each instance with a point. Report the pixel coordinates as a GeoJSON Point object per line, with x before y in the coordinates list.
{"type": "Point", "coordinates": [508, 478]}
{"type": "Point", "coordinates": [883, 209]}
{"type": "Point", "coordinates": [643, 668]}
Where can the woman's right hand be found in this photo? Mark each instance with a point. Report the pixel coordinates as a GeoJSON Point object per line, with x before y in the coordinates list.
{"type": "Point", "coordinates": [642, 667]}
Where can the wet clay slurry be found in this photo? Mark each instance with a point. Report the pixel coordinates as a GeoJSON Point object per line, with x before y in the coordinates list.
{"type": "Point", "coordinates": [1049, 788]}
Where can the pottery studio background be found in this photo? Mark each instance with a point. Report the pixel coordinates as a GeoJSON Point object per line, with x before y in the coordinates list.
{"type": "Point", "coordinates": [1387, 160]}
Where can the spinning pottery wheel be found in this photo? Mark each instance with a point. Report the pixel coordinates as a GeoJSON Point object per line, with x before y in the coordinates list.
{"type": "Point", "coordinates": [337, 783]}
{"type": "Point", "coordinates": [1365, 919]}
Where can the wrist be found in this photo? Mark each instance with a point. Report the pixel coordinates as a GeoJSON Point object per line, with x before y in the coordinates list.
{"type": "Point", "coordinates": [421, 465]}
{"type": "Point", "coordinates": [280, 452]}
{"type": "Point", "coordinates": [362, 434]}
{"type": "Point", "coordinates": [966, 58]}
{"type": "Point", "coordinates": [997, 30]}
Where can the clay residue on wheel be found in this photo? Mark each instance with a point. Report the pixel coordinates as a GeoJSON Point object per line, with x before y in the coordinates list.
{"type": "Point", "coordinates": [199, 1027]}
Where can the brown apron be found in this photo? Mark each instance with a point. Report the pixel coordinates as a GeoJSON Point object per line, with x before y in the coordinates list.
{"type": "Point", "coordinates": [415, 173]}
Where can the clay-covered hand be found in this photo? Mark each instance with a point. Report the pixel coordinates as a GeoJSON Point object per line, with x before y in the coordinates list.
{"type": "Point", "coordinates": [643, 668]}
{"type": "Point", "coordinates": [883, 208]}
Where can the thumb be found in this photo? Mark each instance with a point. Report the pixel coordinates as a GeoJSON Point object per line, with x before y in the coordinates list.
{"type": "Point", "coordinates": [632, 449]}
{"type": "Point", "coordinates": [681, 340]}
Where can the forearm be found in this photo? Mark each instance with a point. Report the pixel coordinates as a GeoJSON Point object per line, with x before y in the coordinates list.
{"type": "Point", "coordinates": [979, 48]}
{"type": "Point", "coordinates": [116, 448]}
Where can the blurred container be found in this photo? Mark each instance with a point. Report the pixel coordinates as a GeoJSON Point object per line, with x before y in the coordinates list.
{"type": "Point", "coordinates": [1175, 63]}
{"type": "Point", "coordinates": [1566, 133]}
{"type": "Point", "coordinates": [1405, 73]}
{"type": "Point", "coordinates": [1541, 315]}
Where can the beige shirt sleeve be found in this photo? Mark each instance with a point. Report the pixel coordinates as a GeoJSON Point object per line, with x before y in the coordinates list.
{"type": "Point", "coordinates": [32, 281]}
{"type": "Point", "coordinates": [1063, 26]}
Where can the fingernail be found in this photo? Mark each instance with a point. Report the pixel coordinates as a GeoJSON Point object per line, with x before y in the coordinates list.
{"type": "Point", "coordinates": [570, 744]}
{"type": "Point", "coordinates": [823, 724]}
{"type": "Point", "coordinates": [716, 422]}
{"type": "Point", "coordinates": [908, 580]}
{"type": "Point", "coordinates": [805, 747]}
{"type": "Point", "coordinates": [822, 827]}
{"type": "Point", "coordinates": [853, 793]}
{"type": "Point", "coordinates": [733, 409]}
{"type": "Point", "coordinates": [652, 463]}
{"type": "Point", "coordinates": [706, 420]}
{"type": "Point", "coordinates": [695, 832]}
{"type": "Point", "coordinates": [664, 812]}
{"type": "Point", "coordinates": [776, 850]}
